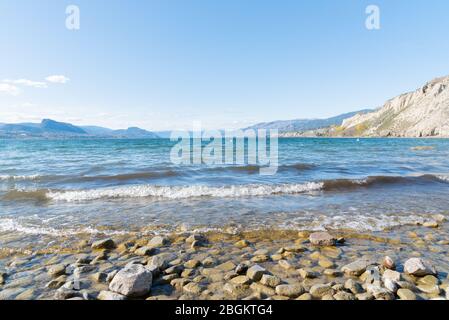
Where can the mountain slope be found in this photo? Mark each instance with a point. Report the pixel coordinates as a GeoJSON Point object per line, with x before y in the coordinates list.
{"type": "Point", "coordinates": [301, 125]}
{"type": "Point", "coordinates": [50, 128]}
{"type": "Point", "coordinates": [422, 113]}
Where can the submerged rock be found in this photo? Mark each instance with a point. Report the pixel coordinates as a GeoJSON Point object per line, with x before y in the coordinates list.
{"type": "Point", "coordinates": [322, 239]}
{"type": "Point", "coordinates": [109, 295]}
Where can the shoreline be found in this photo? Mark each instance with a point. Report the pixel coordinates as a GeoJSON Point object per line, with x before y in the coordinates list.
{"type": "Point", "coordinates": [282, 264]}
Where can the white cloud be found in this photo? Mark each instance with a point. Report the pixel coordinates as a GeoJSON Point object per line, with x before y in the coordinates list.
{"type": "Point", "coordinates": [57, 79]}
{"type": "Point", "coordinates": [9, 89]}
{"type": "Point", "coordinates": [27, 83]}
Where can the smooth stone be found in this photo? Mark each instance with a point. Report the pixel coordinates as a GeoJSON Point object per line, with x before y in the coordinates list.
{"type": "Point", "coordinates": [242, 244]}
{"type": "Point", "coordinates": [332, 273]}
{"type": "Point", "coordinates": [56, 270]}
{"type": "Point", "coordinates": [157, 242]}
{"type": "Point", "coordinates": [428, 280]}
{"type": "Point", "coordinates": [364, 296]}
{"type": "Point", "coordinates": [227, 266]}
{"type": "Point", "coordinates": [390, 285]}
{"type": "Point", "coordinates": [290, 290]}
{"type": "Point", "coordinates": [320, 290]}
{"type": "Point", "coordinates": [57, 283]}
{"type": "Point", "coordinates": [406, 294]}
{"type": "Point", "coordinates": [392, 275]}
{"type": "Point", "coordinates": [322, 239]}
{"type": "Point", "coordinates": [209, 262]}
{"type": "Point", "coordinates": [193, 288]}
{"type": "Point", "coordinates": [295, 249]}
{"type": "Point", "coordinates": [341, 295]}
{"type": "Point", "coordinates": [429, 289]}
{"type": "Point", "coordinates": [109, 295]}
{"type": "Point", "coordinates": [132, 281]}
{"type": "Point", "coordinates": [144, 251]}
{"type": "Point", "coordinates": [326, 263]}
{"type": "Point", "coordinates": [260, 258]}
{"type": "Point", "coordinates": [305, 296]}
{"type": "Point", "coordinates": [260, 288]}
{"type": "Point", "coordinates": [431, 224]}
{"type": "Point", "coordinates": [389, 263]}
{"type": "Point", "coordinates": [191, 264]}
{"type": "Point", "coordinates": [103, 244]}
{"type": "Point", "coordinates": [357, 267]}
{"type": "Point", "coordinates": [195, 238]}
{"type": "Point", "coordinates": [379, 292]}
{"type": "Point", "coordinates": [240, 280]}
{"type": "Point", "coordinates": [236, 291]}
{"type": "Point", "coordinates": [256, 272]}
{"type": "Point", "coordinates": [419, 267]}
{"type": "Point", "coordinates": [307, 273]}
{"type": "Point", "coordinates": [353, 286]}
{"type": "Point", "coordinates": [270, 281]}
{"type": "Point", "coordinates": [241, 268]}
{"type": "Point", "coordinates": [285, 264]}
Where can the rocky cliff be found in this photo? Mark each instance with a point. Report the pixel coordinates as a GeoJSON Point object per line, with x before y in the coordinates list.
{"type": "Point", "coordinates": [422, 113]}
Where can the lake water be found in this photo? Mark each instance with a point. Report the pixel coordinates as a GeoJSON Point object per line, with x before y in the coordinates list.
{"type": "Point", "coordinates": [63, 188]}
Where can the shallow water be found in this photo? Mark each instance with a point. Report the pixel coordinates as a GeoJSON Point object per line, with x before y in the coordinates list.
{"type": "Point", "coordinates": [56, 188]}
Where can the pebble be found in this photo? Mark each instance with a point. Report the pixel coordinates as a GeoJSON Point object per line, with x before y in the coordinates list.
{"type": "Point", "coordinates": [227, 266]}
{"type": "Point", "coordinates": [307, 273]}
{"type": "Point", "coordinates": [270, 281]}
{"type": "Point", "coordinates": [193, 288]}
{"type": "Point", "coordinates": [356, 268]}
{"type": "Point", "coordinates": [191, 264]}
{"type": "Point", "coordinates": [353, 286]}
{"type": "Point", "coordinates": [341, 295]}
{"type": "Point", "coordinates": [322, 239]}
{"type": "Point", "coordinates": [406, 294]}
{"type": "Point", "coordinates": [132, 281]}
{"type": "Point", "coordinates": [144, 251]}
{"type": "Point", "coordinates": [260, 288]}
{"type": "Point", "coordinates": [419, 267]}
{"type": "Point", "coordinates": [389, 263]}
{"type": "Point", "coordinates": [157, 242]}
{"type": "Point", "coordinates": [392, 275]}
{"type": "Point", "coordinates": [290, 290]}
{"type": "Point", "coordinates": [285, 264]}
{"type": "Point", "coordinates": [242, 244]}
{"type": "Point", "coordinates": [103, 244]}
{"type": "Point", "coordinates": [320, 290]}
{"type": "Point", "coordinates": [56, 270]}
{"type": "Point", "coordinates": [240, 280]}
{"type": "Point", "coordinates": [431, 224]}
{"type": "Point", "coordinates": [109, 295]}
{"type": "Point", "coordinates": [305, 296]}
{"type": "Point", "coordinates": [256, 272]}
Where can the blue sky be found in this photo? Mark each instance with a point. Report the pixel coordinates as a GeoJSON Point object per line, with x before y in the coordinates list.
{"type": "Point", "coordinates": [161, 64]}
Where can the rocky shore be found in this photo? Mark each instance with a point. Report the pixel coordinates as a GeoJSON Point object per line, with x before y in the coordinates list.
{"type": "Point", "coordinates": [257, 265]}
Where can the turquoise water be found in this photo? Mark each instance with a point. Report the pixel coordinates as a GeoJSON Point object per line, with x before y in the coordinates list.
{"type": "Point", "coordinates": [66, 187]}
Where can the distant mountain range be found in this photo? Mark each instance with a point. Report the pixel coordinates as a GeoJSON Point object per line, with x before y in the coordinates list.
{"type": "Point", "coordinates": [301, 125]}
{"type": "Point", "coordinates": [54, 129]}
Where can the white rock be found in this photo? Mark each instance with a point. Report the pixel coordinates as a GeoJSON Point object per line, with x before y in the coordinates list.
{"type": "Point", "coordinates": [132, 281]}
{"type": "Point", "coordinates": [419, 267]}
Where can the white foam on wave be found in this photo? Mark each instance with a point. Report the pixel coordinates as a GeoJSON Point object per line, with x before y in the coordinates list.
{"type": "Point", "coordinates": [10, 225]}
{"type": "Point", "coordinates": [182, 192]}
{"type": "Point", "coordinates": [443, 178]}
{"type": "Point", "coordinates": [19, 178]}
{"type": "Point", "coordinates": [359, 222]}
